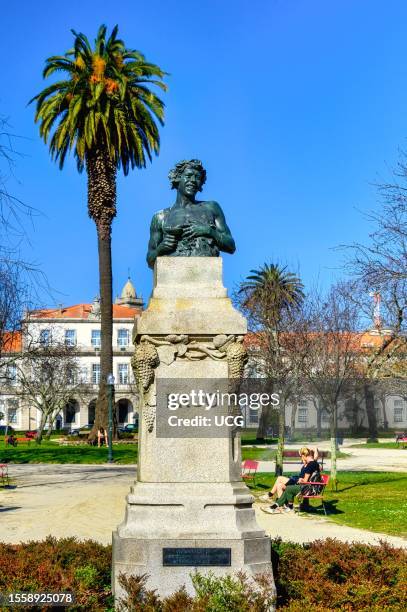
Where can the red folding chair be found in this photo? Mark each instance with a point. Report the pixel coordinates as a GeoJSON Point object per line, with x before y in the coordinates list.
{"type": "Point", "coordinates": [249, 469]}
{"type": "Point", "coordinates": [322, 484]}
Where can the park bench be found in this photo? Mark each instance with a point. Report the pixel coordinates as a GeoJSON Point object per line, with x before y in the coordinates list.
{"type": "Point", "coordinates": [294, 453]}
{"type": "Point", "coordinates": [24, 439]}
{"type": "Point", "coordinates": [249, 469]}
{"type": "Point", "coordinates": [4, 474]}
{"type": "Point", "coordinates": [308, 496]}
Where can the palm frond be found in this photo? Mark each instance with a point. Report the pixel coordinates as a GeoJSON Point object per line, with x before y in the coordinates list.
{"type": "Point", "coordinates": [106, 99]}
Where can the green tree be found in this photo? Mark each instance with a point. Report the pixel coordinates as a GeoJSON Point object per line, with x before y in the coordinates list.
{"type": "Point", "coordinates": [105, 111]}
{"type": "Point", "coordinates": [270, 296]}
{"type": "Point", "coordinates": [270, 291]}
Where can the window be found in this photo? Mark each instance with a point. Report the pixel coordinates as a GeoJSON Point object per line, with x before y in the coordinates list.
{"type": "Point", "coordinates": [253, 415]}
{"type": "Point", "coordinates": [12, 411]}
{"type": "Point", "coordinates": [95, 338]}
{"type": "Point", "coordinates": [95, 373]}
{"type": "Point", "coordinates": [398, 415]}
{"type": "Point", "coordinates": [70, 337]}
{"type": "Point", "coordinates": [45, 337]}
{"type": "Point", "coordinates": [11, 374]}
{"type": "Point", "coordinates": [398, 411]}
{"type": "Point", "coordinates": [123, 373]}
{"type": "Point", "coordinates": [302, 415]}
{"type": "Point", "coordinates": [123, 337]}
{"type": "Point", "coordinates": [12, 415]}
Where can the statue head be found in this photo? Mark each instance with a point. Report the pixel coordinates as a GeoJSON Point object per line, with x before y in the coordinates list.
{"type": "Point", "coordinates": [192, 167]}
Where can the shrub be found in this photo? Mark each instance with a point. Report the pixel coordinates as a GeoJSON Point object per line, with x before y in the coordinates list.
{"type": "Point", "coordinates": [322, 576]}
{"type": "Point", "coordinates": [213, 594]}
{"type": "Point", "coordinates": [59, 565]}
{"type": "Point", "coordinates": [332, 575]}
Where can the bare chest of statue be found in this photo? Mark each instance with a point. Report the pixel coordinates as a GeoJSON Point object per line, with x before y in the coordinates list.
{"type": "Point", "coordinates": [176, 220]}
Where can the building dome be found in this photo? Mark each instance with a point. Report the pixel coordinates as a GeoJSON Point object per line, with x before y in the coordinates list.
{"type": "Point", "coordinates": [129, 296]}
{"type": "Point", "coordinates": [128, 290]}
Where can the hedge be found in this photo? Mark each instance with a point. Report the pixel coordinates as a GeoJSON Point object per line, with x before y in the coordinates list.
{"type": "Point", "coordinates": [321, 576]}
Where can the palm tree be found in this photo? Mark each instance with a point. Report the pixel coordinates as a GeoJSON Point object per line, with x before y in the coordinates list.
{"type": "Point", "coordinates": [269, 294]}
{"type": "Point", "coordinates": [271, 291]}
{"type": "Point", "coordinates": [105, 111]}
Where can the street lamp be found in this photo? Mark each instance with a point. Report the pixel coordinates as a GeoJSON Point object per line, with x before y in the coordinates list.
{"type": "Point", "coordinates": [110, 390]}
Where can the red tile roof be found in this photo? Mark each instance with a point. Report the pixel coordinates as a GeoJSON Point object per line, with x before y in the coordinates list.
{"type": "Point", "coordinates": [11, 342]}
{"type": "Point", "coordinates": [82, 311]}
{"type": "Point", "coordinates": [361, 341]}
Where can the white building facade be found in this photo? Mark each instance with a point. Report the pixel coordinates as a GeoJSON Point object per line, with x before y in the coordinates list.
{"type": "Point", "coordinates": [308, 416]}
{"type": "Point", "coordinates": [76, 326]}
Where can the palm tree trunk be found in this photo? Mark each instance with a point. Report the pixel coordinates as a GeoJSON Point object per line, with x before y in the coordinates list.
{"type": "Point", "coordinates": [106, 326]}
{"type": "Point", "coordinates": [102, 209]}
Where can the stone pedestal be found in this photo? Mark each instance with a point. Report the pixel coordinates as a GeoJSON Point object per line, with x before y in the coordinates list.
{"type": "Point", "coordinates": [188, 493]}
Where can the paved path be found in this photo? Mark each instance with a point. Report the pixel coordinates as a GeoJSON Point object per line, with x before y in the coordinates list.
{"type": "Point", "coordinates": [88, 501]}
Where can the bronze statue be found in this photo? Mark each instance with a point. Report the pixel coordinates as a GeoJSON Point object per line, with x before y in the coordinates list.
{"type": "Point", "coordinates": [190, 227]}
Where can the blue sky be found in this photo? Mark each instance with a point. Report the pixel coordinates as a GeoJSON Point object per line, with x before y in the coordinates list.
{"type": "Point", "coordinates": [295, 108]}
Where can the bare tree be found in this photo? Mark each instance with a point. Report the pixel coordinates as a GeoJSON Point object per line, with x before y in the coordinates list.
{"type": "Point", "coordinates": [379, 268]}
{"type": "Point", "coordinates": [49, 378]}
{"type": "Point", "coordinates": [326, 350]}
{"type": "Point", "coordinates": [382, 260]}
{"type": "Point", "coordinates": [10, 308]}
{"type": "Point", "coordinates": [20, 280]}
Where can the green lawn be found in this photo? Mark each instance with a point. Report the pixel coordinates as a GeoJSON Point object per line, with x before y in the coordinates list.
{"type": "Point", "coordinates": [369, 500]}
{"type": "Point", "coordinates": [260, 454]}
{"type": "Point", "coordinates": [378, 445]}
{"type": "Point", "coordinates": [50, 452]}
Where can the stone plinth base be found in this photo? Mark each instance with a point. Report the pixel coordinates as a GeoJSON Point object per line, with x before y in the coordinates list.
{"type": "Point", "coordinates": [189, 493]}
{"type": "Point", "coordinates": [134, 557]}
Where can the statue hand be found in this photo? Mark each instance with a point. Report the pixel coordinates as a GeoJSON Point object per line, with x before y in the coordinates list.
{"type": "Point", "coordinates": [193, 230]}
{"type": "Point", "coordinates": [167, 245]}
{"type": "Point", "coordinates": [174, 230]}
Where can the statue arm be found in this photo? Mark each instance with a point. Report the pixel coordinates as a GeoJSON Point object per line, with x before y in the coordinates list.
{"type": "Point", "coordinates": [221, 233]}
{"type": "Point", "coordinates": [160, 243]}
{"type": "Point", "coordinates": [156, 236]}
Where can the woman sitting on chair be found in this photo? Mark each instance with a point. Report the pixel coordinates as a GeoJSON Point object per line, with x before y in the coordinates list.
{"type": "Point", "coordinates": [309, 458]}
